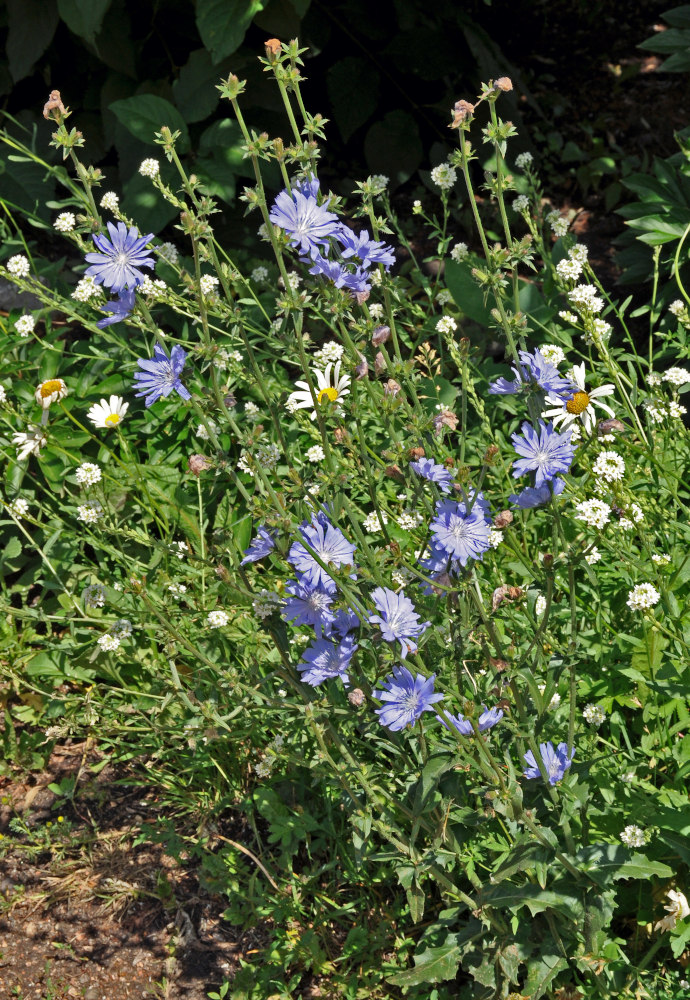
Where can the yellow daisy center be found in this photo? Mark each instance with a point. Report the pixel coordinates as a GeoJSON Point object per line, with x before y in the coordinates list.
{"type": "Point", "coordinates": [578, 403]}
{"type": "Point", "coordinates": [112, 419]}
{"type": "Point", "coordinates": [328, 393]}
{"type": "Point", "coordinates": [49, 387]}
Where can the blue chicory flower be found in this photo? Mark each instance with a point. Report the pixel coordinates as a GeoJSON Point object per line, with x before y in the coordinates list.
{"type": "Point", "coordinates": [331, 546]}
{"type": "Point", "coordinates": [117, 264]}
{"type": "Point", "coordinates": [398, 619]}
{"type": "Point", "coordinates": [435, 473]}
{"type": "Point", "coordinates": [534, 371]}
{"type": "Point", "coordinates": [259, 547]}
{"type": "Point", "coordinates": [344, 621]}
{"type": "Point", "coordinates": [545, 452]}
{"type": "Point", "coordinates": [161, 375]}
{"type": "Point", "coordinates": [536, 496]}
{"type": "Point", "coordinates": [556, 762]}
{"type": "Point", "coordinates": [359, 245]}
{"type": "Point", "coordinates": [406, 698]}
{"type": "Point", "coordinates": [307, 223]}
{"type": "Point", "coordinates": [324, 660]}
{"type": "Point", "coordinates": [308, 605]}
{"type": "Point", "coordinates": [488, 718]}
{"type": "Point", "coordinates": [461, 536]}
{"type": "Point", "coordinates": [120, 308]}
{"type": "Point", "coordinates": [330, 269]}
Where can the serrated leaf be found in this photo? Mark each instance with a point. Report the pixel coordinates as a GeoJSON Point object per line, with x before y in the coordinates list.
{"type": "Point", "coordinates": [353, 92]}
{"type": "Point", "coordinates": [434, 965]}
{"type": "Point", "coordinates": [611, 862]}
{"type": "Point", "coordinates": [223, 24]}
{"type": "Point", "coordinates": [84, 17]}
{"type": "Point", "coordinates": [145, 114]}
{"type": "Point", "coordinates": [32, 24]}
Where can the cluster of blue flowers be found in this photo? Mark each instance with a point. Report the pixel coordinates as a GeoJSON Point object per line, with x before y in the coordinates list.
{"type": "Point", "coordinates": [328, 247]}
{"type": "Point", "coordinates": [117, 266]}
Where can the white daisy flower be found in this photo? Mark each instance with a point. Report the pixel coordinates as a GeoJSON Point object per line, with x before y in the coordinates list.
{"type": "Point", "coordinates": [50, 391]}
{"type": "Point", "coordinates": [108, 413]}
{"type": "Point", "coordinates": [581, 404]}
{"type": "Point", "coordinates": [29, 443]}
{"type": "Point", "coordinates": [327, 387]}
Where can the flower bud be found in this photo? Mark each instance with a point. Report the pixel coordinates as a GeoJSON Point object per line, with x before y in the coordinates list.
{"type": "Point", "coordinates": [391, 388]}
{"type": "Point", "coordinates": [356, 697]}
{"type": "Point", "coordinates": [198, 464]}
{"type": "Point", "coordinates": [380, 335]}
{"type": "Point", "coordinates": [503, 519]}
{"type": "Point", "coordinates": [490, 454]}
{"type": "Point", "coordinates": [610, 426]}
{"type": "Point", "coordinates": [503, 83]}
{"type": "Point", "coordinates": [415, 453]}
{"type": "Point", "coordinates": [379, 363]}
{"type": "Point", "coordinates": [446, 418]}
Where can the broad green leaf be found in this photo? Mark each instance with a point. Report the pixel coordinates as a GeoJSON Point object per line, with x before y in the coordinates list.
{"type": "Point", "coordinates": [194, 91]}
{"type": "Point", "coordinates": [144, 203]}
{"type": "Point", "coordinates": [145, 114]}
{"type": "Point", "coordinates": [611, 862]}
{"type": "Point", "coordinates": [466, 293]}
{"type": "Point", "coordinates": [223, 24]}
{"type": "Point", "coordinates": [541, 974]}
{"type": "Point", "coordinates": [393, 147]}
{"type": "Point", "coordinates": [84, 17]}
{"type": "Point", "coordinates": [435, 965]}
{"type": "Point", "coordinates": [32, 24]}
{"type": "Point", "coordinates": [353, 92]}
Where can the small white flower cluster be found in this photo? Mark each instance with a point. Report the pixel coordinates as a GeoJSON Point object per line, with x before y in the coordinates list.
{"type": "Point", "coordinates": [19, 507]}
{"type": "Point", "coordinates": [153, 288]}
{"type": "Point", "coordinates": [110, 201]}
{"type": "Point", "coordinates": [552, 354]}
{"type": "Point", "coordinates": [444, 176]}
{"type": "Point", "coordinates": [251, 409]}
{"type": "Point", "coordinates": [636, 515]}
{"type": "Point", "coordinates": [523, 160]}
{"type": "Point", "coordinates": [659, 411]}
{"type": "Point", "coordinates": [375, 278]}
{"type": "Point", "coordinates": [88, 474]}
{"type": "Point", "coordinates": [169, 252]}
{"type": "Point", "coordinates": [149, 168]}
{"type": "Point", "coordinates": [217, 619]}
{"type": "Point", "coordinates": [65, 222]}
{"type": "Point", "coordinates": [182, 549]}
{"type": "Point", "coordinates": [610, 466]}
{"type": "Point", "coordinates": [442, 298]}
{"type": "Point", "coordinates": [265, 603]}
{"type": "Point", "coordinates": [446, 324]}
{"type": "Point", "coordinates": [598, 331]}
{"type": "Point", "coordinates": [259, 274]}
{"type": "Point", "coordinates": [202, 430]}
{"type": "Point", "coordinates": [593, 556]}
{"type": "Point", "coordinates": [330, 351]}
{"type": "Point", "coordinates": [628, 776]}
{"type": "Point", "coordinates": [661, 558]}
{"type": "Point", "coordinates": [521, 204]}
{"type": "Point", "coordinates": [294, 281]}
{"type": "Point", "coordinates": [3, 394]}
{"type": "Point", "coordinates": [653, 380]}
{"type": "Point", "coordinates": [579, 253]}
{"type": "Point", "coordinates": [401, 577]}
{"type": "Point", "coordinates": [265, 455]}
{"type": "Point", "coordinates": [86, 290]}
{"type": "Point", "coordinates": [540, 606]}
{"type": "Point", "coordinates": [595, 513]}
{"type": "Point", "coordinates": [208, 284]}
{"type": "Point", "coordinates": [555, 698]}
{"type": "Point", "coordinates": [121, 628]}
{"type": "Point", "coordinates": [374, 523]}
{"type": "Point", "coordinates": [25, 325]}
{"type": "Point", "coordinates": [585, 298]}
{"type": "Point", "coordinates": [108, 643]}
{"type": "Point", "coordinates": [409, 520]}
{"type": "Point", "coordinates": [19, 266]}
{"type": "Point", "coordinates": [378, 183]}
{"type": "Point", "coordinates": [642, 597]}
{"type": "Point", "coordinates": [677, 376]}
{"type": "Point", "coordinates": [94, 595]}
{"type": "Point", "coordinates": [495, 538]}
{"type": "Point", "coordinates": [177, 589]}
{"type": "Point", "coordinates": [376, 311]}
{"type": "Point", "coordinates": [633, 836]}
{"type": "Point", "coordinates": [568, 270]}
{"type": "Point", "coordinates": [417, 207]}
{"type": "Point", "coordinates": [90, 512]}
{"type": "Point", "coordinates": [559, 224]}
{"type": "Point", "coordinates": [679, 309]}
{"type": "Point", "coordinates": [224, 357]}
{"type": "Point", "coordinates": [460, 252]}
{"type": "Point", "coordinates": [594, 715]}
{"type": "Point", "coordinates": [568, 317]}
{"type": "Point", "coordinates": [315, 453]}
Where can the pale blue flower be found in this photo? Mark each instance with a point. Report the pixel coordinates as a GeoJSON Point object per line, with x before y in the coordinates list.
{"type": "Point", "coordinates": [556, 762]}
{"type": "Point", "coordinates": [544, 451]}
{"type": "Point", "coordinates": [324, 660]}
{"type": "Point", "coordinates": [406, 698]}
{"type": "Point", "coordinates": [117, 264]}
{"type": "Point", "coordinates": [161, 375]}
{"type": "Point", "coordinates": [398, 619]}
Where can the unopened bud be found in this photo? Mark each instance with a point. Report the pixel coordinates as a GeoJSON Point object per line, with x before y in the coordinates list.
{"type": "Point", "coordinates": [380, 335]}
{"type": "Point", "coordinates": [395, 472]}
{"type": "Point", "coordinates": [362, 369]}
{"type": "Point", "coordinates": [610, 426]}
{"type": "Point", "coordinates": [446, 418]}
{"type": "Point", "coordinates": [490, 454]}
{"type": "Point", "coordinates": [340, 434]}
{"type": "Point", "coordinates": [273, 47]}
{"type": "Point", "coordinates": [230, 400]}
{"type": "Point", "coordinates": [53, 107]}
{"type": "Point", "coordinates": [460, 112]}
{"type": "Point", "coordinates": [547, 559]}
{"type": "Point", "coordinates": [391, 388]}
{"type": "Point", "coordinates": [379, 363]}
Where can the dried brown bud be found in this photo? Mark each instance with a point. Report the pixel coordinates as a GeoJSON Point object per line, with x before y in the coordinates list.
{"type": "Point", "coordinates": [395, 472]}
{"type": "Point", "coordinates": [503, 83]}
{"type": "Point", "coordinates": [230, 400]}
{"type": "Point", "coordinates": [490, 454]}
{"type": "Point", "coordinates": [499, 665]}
{"type": "Point", "coordinates": [391, 388]}
{"type": "Point", "coordinates": [54, 103]}
{"type": "Point", "coordinates": [356, 697]}
{"type": "Point", "coordinates": [198, 464]}
{"type": "Point", "coordinates": [379, 363]}
{"type": "Point", "coordinates": [461, 111]}
{"type": "Point", "coordinates": [505, 593]}
{"type": "Point", "coordinates": [503, 519]}
{"type": "Point", "coordinates": [361, 297]}
{"type": "Point", "coordinates": [380, 335]}
{"type": "Point", "coordinates": [273, 47]}
{"type": "Point", "coordinates": [415, 453]}
{"type": "Point", "coordinates": [610, 426]}
{"type": "Point", "coordinates": [446, 418]}
{"type": "Point", "coordinates": [362, 369]}
{"type": "Point", "coordinates": [340, 434]}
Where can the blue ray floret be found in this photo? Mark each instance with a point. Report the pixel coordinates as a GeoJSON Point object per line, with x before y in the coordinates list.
{"type": "Point", "coordinates": [398, 619]}
{"type": "Point", "coordinates": [544, 452]}
{"type": "Point", "coordinates": [537, 496]}
{"type": "Point", "coordinates": [161, 375]}
{"type": "Point", "coordinates": [461, 536]}
{"type": "Point", "coordinates": [307, 223]}
{"type": "Point", "coordinates": [120, 309]}
{"type": "Point", "coordinates": [119, 259]}
{"type": "Point", "coordinates": [308, 605]}
{"type": "Point", "coordinates": [324, 660]}
{"type": "Point", "coordinates": [488, 718]}
{"type": "Point", "coordinates": [259, 547]}
{"type": "Point", "coordinates": [533, 372]}
{"type": "Point", "coordinates": [556, 762]}
{"type": "Point", "coordinates": [405, 698]}
{"type": "Point", "coordinates": [359, 245]}
{"type": "Point", "coordinates": [435, 473]}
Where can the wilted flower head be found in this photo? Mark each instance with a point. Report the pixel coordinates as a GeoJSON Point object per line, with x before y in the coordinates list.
{"type": "Point", "coordinates": [50, 391]}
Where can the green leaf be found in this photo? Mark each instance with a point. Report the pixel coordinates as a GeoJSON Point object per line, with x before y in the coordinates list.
{"type": "Point", "coordinates": [223, 24]}
{"type": "Point", "coordinates": [84, 17]}
{"type": "Point", "coordinates": [611, 862]}
{"type": "Point", "coordinates": [541, 974]}
{"type": "Point", "coordinates": [435, 965]}
{"type": "Point", "coordinates": [353, 91]}
{"type": "Point", "coordinates": [145, 204]}
{"type": "Point", "coordinates": [145, 114]}
{"type": "Point", "coordinates": [393, 147]}
{"type": "Point", "coordinates": [466, 292]}
{"type": "Point", "coordinates": [514, 897]}
{"type": "Point", "coordinates": [194, 90]}
{"type": "Point", "coordinates": [32, 24]}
